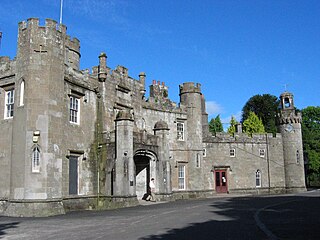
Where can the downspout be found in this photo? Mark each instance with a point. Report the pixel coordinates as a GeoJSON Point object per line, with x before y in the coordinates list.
{"type": "Point", "coordinates": [268, 162]}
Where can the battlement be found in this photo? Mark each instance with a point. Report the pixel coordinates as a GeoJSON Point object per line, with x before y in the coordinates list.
{"type": "Point", "coordinates": [158, 90]}
{"type": "Point", "coordinates": [290, 117]}
{"type": "Point", "coordinates": [33, 24]}
{"type": "Point", "coordinates": [243, 138]}
{"type": "Point", "coordinates": [73, 44]}
{"type": "Point", "coordinates": [190, 87]}
{"type": "Point", "coordinates": [51, 28]}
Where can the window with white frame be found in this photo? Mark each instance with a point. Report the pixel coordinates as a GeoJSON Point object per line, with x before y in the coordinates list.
{"type": "Point", "coordinates": [22, 93]}
{"type": "Point", "coordinates": [258, 178]}
{"type": "Point", "coordinates": [180, 131]}
{"type": "Point", "coordinates": [262, 153]}
{"type": "Point", "coordinates": [198, 160]}
{"type": "Point", "coordinates": [9, 103]}
{"type": "Point", "coordinates": [181, 177]}
{"type": "Point", "coordinates": [35, 159]}
{"type": "Point", "coordinates": [232, 152]}
{"type": "Point", "coordinates": [74, 109]}
{"type": "Point", "coordinates": [204, 152]}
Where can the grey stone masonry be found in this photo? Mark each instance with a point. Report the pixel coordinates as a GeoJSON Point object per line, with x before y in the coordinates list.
{"type": "Point", "coordinates": [91, 139]}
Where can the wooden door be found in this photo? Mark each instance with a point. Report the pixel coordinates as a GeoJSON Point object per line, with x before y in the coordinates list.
{"type": "Point", "coordinates": [73, 175]}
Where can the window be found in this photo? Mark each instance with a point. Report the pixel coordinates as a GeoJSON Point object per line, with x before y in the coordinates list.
{"type": "Point", "coordinates": [181, 177]}
{"type": "Point", "coordinates": [287, 103]}
{"type": "Point", "coordinates": [298, 157]}
{"type": "Point", "coordinates": [9, 103]}
{"type": "Point", "coordinates": [204, 152]}
{"type": "Point", "coordinates": [36, 160]}
{"type": "Point", "coordinates": [74, 110]}
{"type": "Point", "coordinates": [198, 160]}
{"type": "Point", "coordinates": [258, 178]}
{"type": "Point", "coordinates": [232, 152]}
{"type": "Point", "coordinates": [262, 153]}
{"type": "Point", "coordinates": [22, 93]}
{"type": "Point", "coordinates": [180, 131]}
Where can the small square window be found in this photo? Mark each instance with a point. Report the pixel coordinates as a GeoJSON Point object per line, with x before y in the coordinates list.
{"type": "Point", "coordinates": [204, 152]}
{"type": "Point", "coordinates": [262, 153]}
{"type": "Point", "coordinates": [232, 152]}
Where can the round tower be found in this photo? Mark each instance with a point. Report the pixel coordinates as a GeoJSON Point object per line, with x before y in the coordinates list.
{"type": "Point", "coordinates": [290, 128]}
{"type": "Point", "coordinates": [191, 101]}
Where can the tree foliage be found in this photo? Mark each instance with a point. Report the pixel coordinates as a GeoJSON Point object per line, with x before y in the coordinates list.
{"type": "Point", "coordinates": [265, 107]}
{"type": "Point", "coordinates": [215, 125]}
{"type": "Point", "coordinates": [232, 127]}
{"type": "Point", "coordinates": [311, 138]}
{"type": "Point", "coordinates": [253, 124]}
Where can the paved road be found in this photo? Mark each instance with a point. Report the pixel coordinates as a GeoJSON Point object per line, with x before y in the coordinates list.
{"type": "Point", "coordinates": [224, 217]}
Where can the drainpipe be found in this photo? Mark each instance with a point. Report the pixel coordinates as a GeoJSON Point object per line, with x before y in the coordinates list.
{"type": "Point", "coordinates": [268, 161]}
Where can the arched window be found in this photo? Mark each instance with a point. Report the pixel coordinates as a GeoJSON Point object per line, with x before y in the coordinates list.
{"type": "Point", "coordinates": [36, 159]}
{"type": "Point", "coordinates": [287, 103]}
{"type": "Point", "coordinates": [258, 178]}
{"type": "Point", "coordinates": [22, 93]}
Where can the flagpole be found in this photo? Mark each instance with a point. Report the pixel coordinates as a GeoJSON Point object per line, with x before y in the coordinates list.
{"type": "Point", "coordinates": [61, 4]}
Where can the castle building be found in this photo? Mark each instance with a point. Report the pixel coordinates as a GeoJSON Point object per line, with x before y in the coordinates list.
{"type": "Point", "coordinates": [73, 139]}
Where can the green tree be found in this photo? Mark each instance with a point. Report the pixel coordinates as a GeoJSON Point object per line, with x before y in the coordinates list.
{"type": "Point", "coordinates": [311, 140]}
{"type": "Point", "coordinates": [215, 125]}
{"type": "Point", "coordinates": [265, 107]}
{"type": "Point", "coordinates": [253, 124]}
{"type": "Point", "coordinates": [232, 127]}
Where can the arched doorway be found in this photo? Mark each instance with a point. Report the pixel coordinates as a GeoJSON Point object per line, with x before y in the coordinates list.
{"type": "Point", "coordinates": [145, 161]}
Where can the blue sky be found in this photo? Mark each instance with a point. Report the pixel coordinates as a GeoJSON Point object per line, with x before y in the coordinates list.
{"type": "Point", "coordinates": [234, 48]}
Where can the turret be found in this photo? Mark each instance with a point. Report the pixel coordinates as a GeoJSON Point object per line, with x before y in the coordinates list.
{"type": "Point", "coordinates": [102, 75]}
{"type": "Point", "coordinates": [290, 127]}
{"type": "Point", "coordinates": [191, 100]}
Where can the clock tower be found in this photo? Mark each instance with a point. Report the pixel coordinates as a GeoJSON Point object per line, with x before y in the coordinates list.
{"type": "Point", "coordinates": [290, 128]}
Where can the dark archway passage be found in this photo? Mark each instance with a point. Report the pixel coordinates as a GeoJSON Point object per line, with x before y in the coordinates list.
{"type": "Point", "coordinates": [143, 162]}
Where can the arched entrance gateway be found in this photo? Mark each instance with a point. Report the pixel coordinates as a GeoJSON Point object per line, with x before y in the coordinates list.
{"type": "Point", "coordinates": [145, 165]}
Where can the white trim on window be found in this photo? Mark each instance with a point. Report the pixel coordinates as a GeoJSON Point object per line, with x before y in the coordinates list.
{"type": "Point", "coordinates": [22, 93]}
{"type": "Point", "coordinates": [262, 153]}
{"type": "Point", "coordinates": [74, 109]}
{"type": "Point", "coordinates": [258, 178]}
{"type": "Point", "coordinates": [35, 159]}
{"type": "Point", "coordinates": [204, 152]}
{"type": "Point", "coordinates": [180, 131]}
{"type": "Point", "coordinates": [181, 177]}
{"type": "Point", "coordinates": [9, 103]}
{"type": "Point", "coordinates": [232, 152]}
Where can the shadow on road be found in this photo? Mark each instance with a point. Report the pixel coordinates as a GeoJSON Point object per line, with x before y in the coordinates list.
{"type": "Point", "coordinates": [288, 217]}
{"type": "Point", "coordinates": [5, 226]}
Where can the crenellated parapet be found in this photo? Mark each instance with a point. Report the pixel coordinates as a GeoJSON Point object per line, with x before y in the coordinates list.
{"type": "Point", "coordinates": [36, 39]}
{"type": "Point", "coordinates": [159, 96]}
{"type": "Point", "coordinates": [290, 117]}
{"type": "Point", "coordinates": [190, 87]}
{"type": "Point", "coordinates": [242, 138]}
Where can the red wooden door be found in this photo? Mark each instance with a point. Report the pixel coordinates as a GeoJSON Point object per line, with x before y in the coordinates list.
{"type": "Point", "coordinates": [221, 181]}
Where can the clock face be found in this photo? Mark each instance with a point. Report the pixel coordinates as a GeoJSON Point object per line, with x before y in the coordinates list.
{"type": "Point", "coordinates": [289, 128]}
